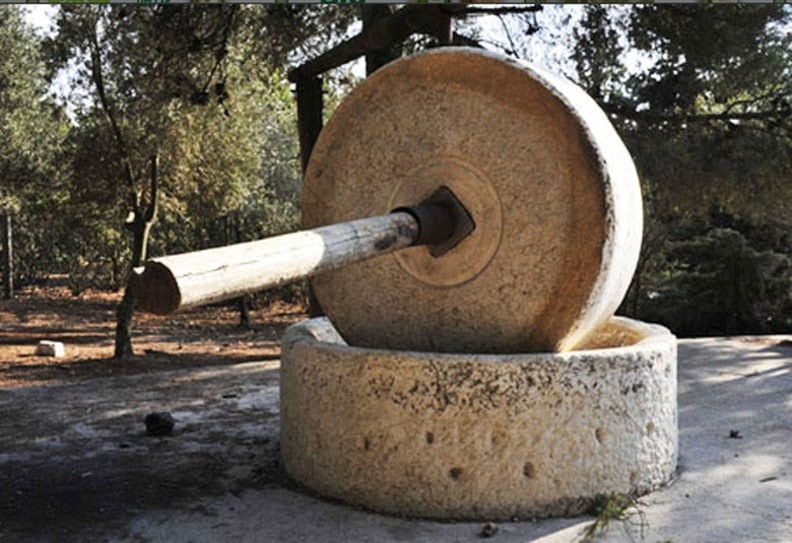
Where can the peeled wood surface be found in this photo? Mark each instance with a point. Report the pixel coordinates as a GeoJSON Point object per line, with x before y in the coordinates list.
{"type": "Point", "coordinates": [176, 282]}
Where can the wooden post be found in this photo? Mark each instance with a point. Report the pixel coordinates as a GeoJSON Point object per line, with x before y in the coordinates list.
{"type": "Point", "coordinates": [8, 257]}
{"type": "Point", "coordinates": [310, 104]}
{"type": "Point", "coordinates": [376, 58]}
{"type": "Point", "coordinates": [445, 31]}
{"type": "Point", "coordinates": [395, 28]}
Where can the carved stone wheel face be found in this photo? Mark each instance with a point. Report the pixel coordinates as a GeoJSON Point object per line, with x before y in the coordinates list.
{"type": "Point", "coordinates": [549, 184]}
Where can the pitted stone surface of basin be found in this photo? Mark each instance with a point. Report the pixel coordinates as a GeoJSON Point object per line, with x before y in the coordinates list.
{"type": "Point", "coordinates": [548, 182]}
{"type": "Point", "coordinates": [479, 436]}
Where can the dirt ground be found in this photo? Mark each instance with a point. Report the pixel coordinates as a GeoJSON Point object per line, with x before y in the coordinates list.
{"type": "Point", "coordinates": [75, 460]}
{"type": "Point", "coordinates": [86, 326]}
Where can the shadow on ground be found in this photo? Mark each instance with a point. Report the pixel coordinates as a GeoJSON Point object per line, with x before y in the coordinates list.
{"type": "Point", "coordinates": [76, 465]}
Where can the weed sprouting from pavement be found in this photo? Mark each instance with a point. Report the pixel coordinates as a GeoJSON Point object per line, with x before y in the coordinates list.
{"type": "Point", "coordinates": [612, 508]}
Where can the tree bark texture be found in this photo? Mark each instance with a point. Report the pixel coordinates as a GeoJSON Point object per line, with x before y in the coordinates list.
{"type": "Point", "coordinates": [143, 219]}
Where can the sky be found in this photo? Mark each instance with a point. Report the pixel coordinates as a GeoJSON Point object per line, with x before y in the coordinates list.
{"type": "Point", "coordinates": [40, 17]}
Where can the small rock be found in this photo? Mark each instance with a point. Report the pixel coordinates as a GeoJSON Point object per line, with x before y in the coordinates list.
{"type": "Point", "coordinates": [488, 530]}
{"type": "Point", "coordinates": [50, 348]}
{"type": "Point", "coordinates": [735, 434]}
{"type": "Point", "coordinates": [159, 424]}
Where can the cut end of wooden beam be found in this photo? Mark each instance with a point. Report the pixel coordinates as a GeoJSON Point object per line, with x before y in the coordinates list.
{"type": "Point", "coordinates": [155, 289]}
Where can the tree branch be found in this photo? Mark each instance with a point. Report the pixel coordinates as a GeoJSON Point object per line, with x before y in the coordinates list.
{"type": "Point", "coordinates": [766, 96]}
{"type": "Point", "coordinates": [501, 11]}
{"type": "Point", "coordinates": [151, 209]}
{"type": "Point", "coordinates": [98, 79]}
{"type": "Point", "coordinates": [223, 52]}
{"type": "Point", "coordinates": [513, 50]}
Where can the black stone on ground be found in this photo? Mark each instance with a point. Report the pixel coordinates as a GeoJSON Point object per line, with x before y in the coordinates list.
{"type": "Point", "coordinates": [159, 424]}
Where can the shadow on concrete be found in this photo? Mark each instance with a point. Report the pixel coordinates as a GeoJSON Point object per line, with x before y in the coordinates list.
{"type": "Point", "coordinates": [76, 465]}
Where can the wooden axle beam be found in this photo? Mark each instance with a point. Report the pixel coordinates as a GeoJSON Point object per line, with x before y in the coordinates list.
{"type": "Point", "coordinates": [171, 283]}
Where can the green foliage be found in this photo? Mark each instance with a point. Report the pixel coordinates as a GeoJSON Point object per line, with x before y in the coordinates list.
{"type": "Point", "coordinates": [718, 51]}
{"type": "Point", "coordinates": [32, 132]}
{"type": "Point", "coordinates": [597, 53]}
{"type": "Point", "coordinates": [202, 88]}
{"type": "Point", "coordinates": [189, 85]}
{"type": "Point", "coordinates": [9, 204]}
{"type": "Point", "coordinates": [707, 117]}
{"type": "Point", "coordinates": [24, 111]}
{"type": "Point", "coordinates": [718, 283]}
{"type": "Point", "coordinates": [283, 33]}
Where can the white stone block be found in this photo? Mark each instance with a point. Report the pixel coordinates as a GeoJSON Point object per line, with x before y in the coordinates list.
{"type": "Point", "coordinates": [50, 348]}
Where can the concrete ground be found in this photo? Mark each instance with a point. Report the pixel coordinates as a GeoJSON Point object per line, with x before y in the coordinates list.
{"type": "Point", "coordinates": [76, 465]}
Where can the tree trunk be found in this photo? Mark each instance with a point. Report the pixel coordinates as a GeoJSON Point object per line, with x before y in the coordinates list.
{"type": "Point", "coordinates": [123, 337]}
{"type": "Point", "coordinates": [140, 227]}
{"type": "Point", "coordinates": [8, 258]}
{"type": "Point", "coordinates": [123, 340]}
{"type": "Point", "coordinates": [144, 215]}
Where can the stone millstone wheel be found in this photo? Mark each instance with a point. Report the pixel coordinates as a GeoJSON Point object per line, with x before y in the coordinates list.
{"type": "Point", "coordinates": [545, 177]}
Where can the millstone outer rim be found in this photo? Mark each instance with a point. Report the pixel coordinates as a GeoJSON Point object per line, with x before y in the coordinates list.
{"type": "Point", "coordinates": [622, 245]}
{"type": "Point", "coordinates": [368, 310]}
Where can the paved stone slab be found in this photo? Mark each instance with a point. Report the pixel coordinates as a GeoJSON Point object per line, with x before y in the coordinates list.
{"type": "Point", "coordinates": [75, 464]}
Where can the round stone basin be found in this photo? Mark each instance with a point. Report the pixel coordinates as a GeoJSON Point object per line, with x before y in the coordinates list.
{"type": "Point", "coordinates": [467, 436]}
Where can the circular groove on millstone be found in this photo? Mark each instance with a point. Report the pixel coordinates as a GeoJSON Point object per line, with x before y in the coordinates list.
{"type": "Point", "coordinates": [473, 253]}
{"type": "Point", "coordinates": [532, 147]}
